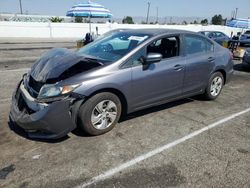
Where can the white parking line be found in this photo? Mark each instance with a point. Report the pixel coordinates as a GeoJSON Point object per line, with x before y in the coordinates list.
{"type": "Point", "coordinates": [156, 151]}
{"type": "Point", "coordinates": [15, 70]}
{"type": "Point", "coordinates": [5, 100]}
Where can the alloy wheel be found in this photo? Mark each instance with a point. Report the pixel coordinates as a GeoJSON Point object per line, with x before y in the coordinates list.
{"type": "Point", "coordinates": [216, 86]}
{"type": "Point", "coordinates": [104, 114]}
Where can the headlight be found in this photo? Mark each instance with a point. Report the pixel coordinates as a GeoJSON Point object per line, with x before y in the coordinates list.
{"type": "Point", "coordinates": [52, 90]}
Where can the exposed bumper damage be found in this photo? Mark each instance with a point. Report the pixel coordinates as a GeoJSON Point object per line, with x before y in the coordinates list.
{"type": "Point", "coordinates": [44, 120]}
{"type": "Point", "coordinates": [49, 118]}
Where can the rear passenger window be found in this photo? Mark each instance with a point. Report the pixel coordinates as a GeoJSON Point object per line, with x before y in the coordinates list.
{"type": "Point", "coordinates": [194, 45]}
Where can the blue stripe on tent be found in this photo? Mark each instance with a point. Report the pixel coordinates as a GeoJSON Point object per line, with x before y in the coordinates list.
{"type": "Point", "coordinates": [99, 12]}
{"type": "Point", "coordinates": [95, 5]}
{"type": "Point", "coordinates": [75, 14]}
{"type": "Point", "coordinates": [93, 12]}
{"type": "Point", "coordinates": [88, 6]}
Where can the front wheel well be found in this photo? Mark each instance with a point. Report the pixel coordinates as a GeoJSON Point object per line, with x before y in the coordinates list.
{"type": "Point", "coordinates": [118, 93]}
{"type": "Point", "coordinates": [223, 72]}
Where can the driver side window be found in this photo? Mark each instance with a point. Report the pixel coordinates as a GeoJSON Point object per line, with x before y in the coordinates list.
{"type": "Point", "coordinates": [168, 47]}
{"type": "Point", "coordinates": [135, 60]}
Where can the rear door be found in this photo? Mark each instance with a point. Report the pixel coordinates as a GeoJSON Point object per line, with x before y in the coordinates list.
{"type": "Point", "coordinates": [200, 61]}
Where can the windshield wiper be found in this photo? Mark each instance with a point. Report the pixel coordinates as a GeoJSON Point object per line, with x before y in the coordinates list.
{"type": "Point", "coordinates": [93, 60]}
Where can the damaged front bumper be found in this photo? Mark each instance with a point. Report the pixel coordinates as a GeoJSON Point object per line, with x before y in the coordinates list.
{"type": "Point", "coordinates": [44, 120]}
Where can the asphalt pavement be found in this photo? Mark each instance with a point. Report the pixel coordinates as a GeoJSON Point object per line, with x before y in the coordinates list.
{"type": "Point", "coordinates": [187, 143]}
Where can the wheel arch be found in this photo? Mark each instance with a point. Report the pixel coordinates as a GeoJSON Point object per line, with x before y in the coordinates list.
{"type": "Point", "coordinates": [223, 72]}
{"type": "Point", "coordinates": [116, 92]}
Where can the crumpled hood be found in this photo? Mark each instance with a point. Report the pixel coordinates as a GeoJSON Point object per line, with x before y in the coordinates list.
{"type": "Point", "coordinates": [58, 61]}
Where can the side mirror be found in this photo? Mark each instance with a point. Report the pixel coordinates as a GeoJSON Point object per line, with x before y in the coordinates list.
{"type": "Point", "coordinates": [153, 58]}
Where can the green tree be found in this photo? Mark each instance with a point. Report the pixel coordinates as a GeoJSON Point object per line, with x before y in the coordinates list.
{"type": "Point", "coordinates": [204, 22]}
{"type": "Point", "coordinates": [195, 22]}
{"type": "Point", "coordinates": [78, 19]}
{"type": "Point", "coordinates": [217, 20]}
{"type": "Point", "coordinates": [184, 22]}
{"type": "Point", "coordinates": [128, 20]}
{"type": "Point", "coordinates": [56, 19]}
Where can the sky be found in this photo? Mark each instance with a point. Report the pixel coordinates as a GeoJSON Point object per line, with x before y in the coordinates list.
{"type": "Point", "coordinates": [119, 8]}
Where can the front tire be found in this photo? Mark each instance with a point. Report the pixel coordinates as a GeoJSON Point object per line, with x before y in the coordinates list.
{"type": "Point", "coordinates": [214, 87]}
{"type": "Point", "coordinates": [100, 113]}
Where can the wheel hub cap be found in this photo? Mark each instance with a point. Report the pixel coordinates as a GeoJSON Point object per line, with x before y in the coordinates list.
{"type": "Point", "coordinates": [104, 114]}
{"type": "Point", "coordinates": [216, 86]}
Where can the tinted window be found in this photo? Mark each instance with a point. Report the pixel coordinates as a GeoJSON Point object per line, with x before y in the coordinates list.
{"type": "Point", "coordinates": [206, 33]}
{"type": "Point", "coordinates": [211, 35]}
{"type": "Point", "coordinates": [169, 47]}
{"type": "Point", "coordinates": [218, 34]}
{"type": "Point", "coordinates": [136, 59]}
{"type": "Point", "coordinates": [195, 45]}
{"type": "Point", "coordinates": [247, 32]}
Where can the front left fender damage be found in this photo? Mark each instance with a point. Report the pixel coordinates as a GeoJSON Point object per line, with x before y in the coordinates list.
{"type": "Point", "coordinates": [52, 121]}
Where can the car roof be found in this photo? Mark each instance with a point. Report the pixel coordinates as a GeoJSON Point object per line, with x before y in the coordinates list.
{"type": "Point", "coordinates": [212, 31]}
{"type": "Point", "coordinates": [155, 32]}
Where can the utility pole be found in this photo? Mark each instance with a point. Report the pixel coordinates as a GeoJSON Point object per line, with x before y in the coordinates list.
{"type": "Point", "coordinates": [148, 12]}
{"type": "Point", "coordinates": [157, 18]}
{"type": "Point", "coordinates": [236, 12]}
{"type": "Point", "coordinates": [232, 14]}
{"type": "Point", "coordinates": [21, 8]}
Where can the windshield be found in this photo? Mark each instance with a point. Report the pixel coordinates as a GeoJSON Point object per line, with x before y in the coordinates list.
{"type": "Point", "coordinates": [113, 46]}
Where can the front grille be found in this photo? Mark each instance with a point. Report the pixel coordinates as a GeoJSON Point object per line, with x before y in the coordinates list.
{"type": "Point", "coordinates": [21, 104]}
{"type": "Point", "coordinates": [34, 87]}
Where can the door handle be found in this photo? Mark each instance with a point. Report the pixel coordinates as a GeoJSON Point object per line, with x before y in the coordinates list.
{"type": "Point", "coordinates": [178, 67]}
{"type": "Point", "coordinates": [211, 59]}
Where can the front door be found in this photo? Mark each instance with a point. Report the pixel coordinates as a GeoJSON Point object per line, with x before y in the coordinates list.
{"type": "Point", "coordinates": [162, 80]}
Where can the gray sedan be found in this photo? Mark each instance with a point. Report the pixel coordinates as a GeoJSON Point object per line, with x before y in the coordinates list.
{"type": "Point", "coordinates": [119, 73]}
{"type": "Point", "coordinates": [246, 57]}
{"type": "Point", "coordinates": [217, 36]}
{"type": "Point", "coordinates": [245, 38]}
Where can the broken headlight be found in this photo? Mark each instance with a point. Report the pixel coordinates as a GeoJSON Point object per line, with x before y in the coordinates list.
{"type": "Point", "coordinates": [53, 90]}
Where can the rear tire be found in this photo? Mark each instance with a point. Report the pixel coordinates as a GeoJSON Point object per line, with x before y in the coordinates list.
{"type": "Point", "coordinates": [100, 113]}
{"type": "Point", "coordinates": [214, 87]}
